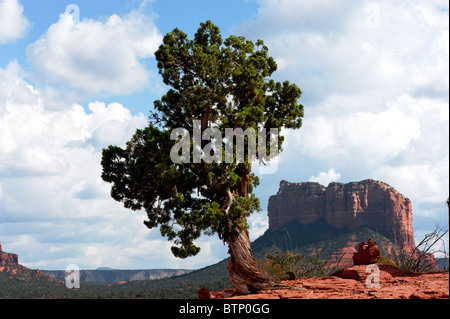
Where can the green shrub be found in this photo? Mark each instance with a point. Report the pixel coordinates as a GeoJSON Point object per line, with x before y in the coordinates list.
{"type": "Point", "coordinates": [289, 266]}
{"type": "Point", "coordinates": [420, 259]}
{"type": "Point", "coordinates": [385, 261]}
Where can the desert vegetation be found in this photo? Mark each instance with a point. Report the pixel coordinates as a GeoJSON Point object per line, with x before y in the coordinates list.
{"type": "Point", "coordinates": [287, 265]}
{"type": "Point", "coordinates": [421, 259]}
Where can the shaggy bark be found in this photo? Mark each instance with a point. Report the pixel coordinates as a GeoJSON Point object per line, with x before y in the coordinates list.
{"type": "Point", "coordinates": [245, 274]}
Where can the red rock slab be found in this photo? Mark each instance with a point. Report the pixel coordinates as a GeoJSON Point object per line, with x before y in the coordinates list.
{"type": "Point", "coordinates": [394, 284]}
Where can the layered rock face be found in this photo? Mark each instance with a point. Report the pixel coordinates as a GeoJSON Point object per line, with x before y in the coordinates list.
{"type": "Point", "coordinates": [352, 205]}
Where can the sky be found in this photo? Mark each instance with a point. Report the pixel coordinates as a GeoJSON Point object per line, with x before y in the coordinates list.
{"type": "Point", "coordinates": [73, 80]}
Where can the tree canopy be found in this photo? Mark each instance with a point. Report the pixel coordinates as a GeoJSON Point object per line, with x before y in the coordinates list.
{"type": "Point", "coordinates": [217, 84]}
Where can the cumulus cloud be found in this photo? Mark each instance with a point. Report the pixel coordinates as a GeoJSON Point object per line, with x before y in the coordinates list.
{"type": "Point", "coordinates": [374, 77]}
{"type": "Point", "coordinates": [94, 57]}
{"type": "Point", "coordinates": [362, 138]}
{"type": "Point", "coordinates": [423, 182]}
{"type": "Point", "coordinates": [55, 209]}
{"type": "Point", "coordinates": [35, 141]}
{"type": "Point", "coordinates": [14, 24]}
{"type": "Point", "coordinates": [340, 47]}
{"type": "Point", "coordinates": [324, 178]}
{"type": "Point", "coordinates": [50, 171]}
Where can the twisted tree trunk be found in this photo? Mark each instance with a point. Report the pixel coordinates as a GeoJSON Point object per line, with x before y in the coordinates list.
{"type": "Point", "coordinates": [244, 271]}
{"type": "Point", "coordinates": [245, 274]}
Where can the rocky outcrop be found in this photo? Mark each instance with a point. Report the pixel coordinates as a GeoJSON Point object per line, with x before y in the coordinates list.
{"type": "Point", "coordinates": [352, 283]}
{"type": "Point", "coordinates": [10, 269]}
{"type": "Point", "coordinates": [7, 258]}
{"type": "Point", "coordinates": [352, 205]}
{"type": "Point", "coordinates": [203, 293]}
{"type": "Point", "coordinates": [368, 253]}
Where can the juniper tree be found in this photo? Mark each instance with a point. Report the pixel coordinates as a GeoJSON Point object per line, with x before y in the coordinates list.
{"type": "Point", "coordinates": [218, 84]}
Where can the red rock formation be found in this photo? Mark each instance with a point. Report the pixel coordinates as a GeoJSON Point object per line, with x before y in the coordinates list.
{"type": "Point", "coordinates": [7, 258]}
{"type": "Point", "coordinates": [10, 267]}
{"type": "Point", "coordinates": [203, 293]}
{"type": "Point", "coordinates": [352, 205]}
{"type": "Point", "coordinates": [368, 253]}
{"type": "Point", "coordinates": [343, 256]}
{"type": "Point", "coordinates": [351, 283]}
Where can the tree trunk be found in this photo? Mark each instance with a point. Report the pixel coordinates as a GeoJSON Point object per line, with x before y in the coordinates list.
{"type": "Point", "coordinates": [245, 274]}
{"type": "Point", "coordinates": [244, 271]}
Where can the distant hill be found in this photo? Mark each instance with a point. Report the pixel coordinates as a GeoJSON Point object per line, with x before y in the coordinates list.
{"type": "Point", "coordinates": [17, 281]}
{"type": "Point", "coordinates": [294, 237]}
{"type": "Point", "coordinates": [109, 275]}
{"type": "Point", "coordinates": [442, 263]}
{"type": "Point", "coordinates": [336, 245]}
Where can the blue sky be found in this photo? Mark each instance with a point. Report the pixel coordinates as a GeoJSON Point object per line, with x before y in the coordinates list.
{"type": "Point", "coordinates": [374, 76]}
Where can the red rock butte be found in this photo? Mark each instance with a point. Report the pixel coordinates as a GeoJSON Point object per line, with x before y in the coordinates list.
{"type": "Point", "coordinates": [351, 205]}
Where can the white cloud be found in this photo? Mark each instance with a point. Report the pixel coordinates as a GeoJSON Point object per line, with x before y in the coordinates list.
{"type": "Point", "coordinates": [13, 24]}
{"type": "Point", "coordinates": [334, 47]}
{"type": "Point", "coordinates": [258, 224]}
{"type": "Point", "coordinates": [406, 145]}
{"type": "Point", "coordinates": [55, 208]}
{"type": "Point", "coordinates": [324, 178]}
{"type": "Point", "coordinates": [42, 141]}
{"type": "Point", "coordinates": [374, 77]}
{"type": "Point", "coordinates": [360, 138]}
{"type": "Point", "coordinates": [50, 170]}
{"type": "Point", "coordinates": [94, 57]}
{"type": "Point", "coordinates": [424, 183]}
{"type": "Point", "coordinates": [107, 123]}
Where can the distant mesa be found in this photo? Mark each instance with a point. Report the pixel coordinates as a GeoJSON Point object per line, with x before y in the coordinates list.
{"type": "Point", "coordinates": [9, 264]}
{"type": "Point", "coordinates": [108, 275]}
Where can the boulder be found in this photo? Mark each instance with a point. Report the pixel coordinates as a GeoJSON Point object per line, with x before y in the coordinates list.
{"type": "Point", "coordinates": [368, 253]}
{"type": "Point", "coordinates": [203, 293]}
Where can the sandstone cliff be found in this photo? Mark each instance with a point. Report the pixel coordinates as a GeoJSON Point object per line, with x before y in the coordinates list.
{"type": "Point", "coordinates": [352, 205]}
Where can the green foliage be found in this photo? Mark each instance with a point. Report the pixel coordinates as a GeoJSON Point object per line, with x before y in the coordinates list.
{"type": "Point", "coordinates": [146, 289]}
{"type": "Point", "coordinates": [420, 258]}
{"type": "Point", "coordinates": [213, 277]}
{"type": "Point", "coordinates": [287, 265]}
{"type": "Point", "coordinates": [382, 260]}
{"type": "Point", "coordinates": [281, 266]}
{"type": "Point", "coordinates": [223, 84]}
{"type": "Point", "coordinates": [319, 235]}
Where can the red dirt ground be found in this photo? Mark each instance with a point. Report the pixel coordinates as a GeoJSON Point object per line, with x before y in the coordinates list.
{"type": "Point", "coordinates": [350, 283]}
